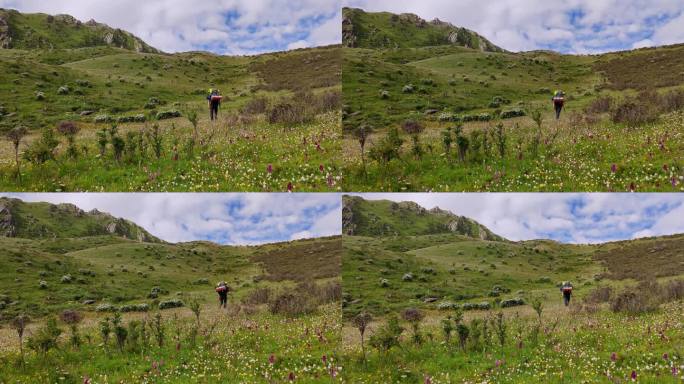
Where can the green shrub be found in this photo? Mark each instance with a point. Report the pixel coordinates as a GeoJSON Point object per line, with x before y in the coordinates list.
{"type": "Point", "coordinates": [172, 303]}
{"type": "Point", "coordinates": [170, 114]}
{"type": "Point", "coordinates": [515, 112]}
{"type": "Point", "coordinates": [106, 307]}
{"type": "Point", "coordinates": [512, 302]}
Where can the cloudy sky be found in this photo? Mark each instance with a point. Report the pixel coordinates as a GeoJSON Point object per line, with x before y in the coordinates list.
{"type": "Point", "coordinates": [221, 26]}
{"type": "Point", "coordinates": [565, 217]}
{"type": "Point", "coordinates": [240, 219]}
{"type": "Point", "coordinates": [571, 26]}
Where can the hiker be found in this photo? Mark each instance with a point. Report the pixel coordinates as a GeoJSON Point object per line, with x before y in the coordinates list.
{"type": "Point", "coordinates": [222, 289]}
{"type": "Point", "coordinates": [558, 102]}
{"type": "Point", "coordinates": [214, 99]}
{"type": "Point", "coordinates": [566, 290]}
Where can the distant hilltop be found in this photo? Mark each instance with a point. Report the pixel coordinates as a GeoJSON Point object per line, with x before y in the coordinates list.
{"type": "Point", "coordinates": [361, 29]}
{"type": "Point", "coordinates": [38, 30]}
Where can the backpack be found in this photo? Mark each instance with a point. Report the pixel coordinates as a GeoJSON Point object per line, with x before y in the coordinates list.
{"type": "Point", "coordinates": [567, 289]}
{"type": "Point", "coordinates": [222, 289]}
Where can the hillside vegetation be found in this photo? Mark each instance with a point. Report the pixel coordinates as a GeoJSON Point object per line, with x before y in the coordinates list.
{"type": "Point", "coordinates": [122, 116]}
{"type": "Point", "coordinates": [362, 29]}
{"type": "Point", "coordinates": [453, 308]}
{"type": "Point", "coordinates": [101, 306]}
{"type": "Point", "coordinates": [438, 116]}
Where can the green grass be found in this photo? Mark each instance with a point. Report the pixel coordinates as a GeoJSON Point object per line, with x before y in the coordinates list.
{"type": "Point", "coordinates": [237, 350]}
{"type": "Point", "coordinates": [231, 154]}
{"type": "Point", "coordinates": [387, 273]}
{"type": "Point", "coordinates": [122, 266]}
{"type": "Point", "coordinates": [451, 83]}
{"type": "Point", "coordinates": [577, 349]}
{"type": "Point", "coordinates": [385, 30]}
{"type": "Point", "coordinates": [284, 303]}
{"type": "Point", "coordinates": [38, 30]}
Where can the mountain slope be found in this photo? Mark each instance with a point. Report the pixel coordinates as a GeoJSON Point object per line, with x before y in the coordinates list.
{"type": "Point", "coordinates": [362, 29]}
{"type": "Point", "coordinates": [38, 30]}
{"type": "Point", "coordinates": [45, 220]}
{"type": "Point", "coordinates": [60, 69]}
{"type": "Point", "coordinates": [362, 217]}
{"type": "Point", "coordinates": [54, 257]}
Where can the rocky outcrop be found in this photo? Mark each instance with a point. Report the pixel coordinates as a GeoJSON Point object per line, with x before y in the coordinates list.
{"type": "Point", "coordinates": [28, 31]}
{"type": "Point", "coordinates": [348, 205]}
{"type": "Point", "coordinates": [413, 19]}
{"type": "Point", "coordinates": [348, 35]}
{"type": "Point", "coordinates": [362, 29]}
{"type": "Point", "coordinates": [7, 225]}
{"type": "Point", "coordinates": [5, 37]}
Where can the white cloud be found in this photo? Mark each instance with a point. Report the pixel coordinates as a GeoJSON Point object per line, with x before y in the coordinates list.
{"type": "Point", "coordinates": [225, 26]}
{"type": "Point", "coordinates": [576, 26]}
{"type": "Point", "coordinates": [249, 218]}
{"type": "Point", "coordinates": [575, 218]}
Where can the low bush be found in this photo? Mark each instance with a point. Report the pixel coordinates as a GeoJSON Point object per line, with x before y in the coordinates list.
{"type": "Point", "coordinates": [512, 302]}
{"type": "Point", "coordinates": [258, 296]}
{"type": "Point", "coordinates": [143, 307]}
{"type": "Point", "coordinates": [290, 304]}
{"type": "Point", "coordinates": [170, 114]}
{"type": "Point", "coordinates": [172, 303]}
{"type": "Point", "coordinates": [511, 113]}
{"type": "Point", "coordinates": [255, 106]}
{"type": "Point", "coordinates": [599, 295]}
{"type": "Point", "coordinates": [106, 307]}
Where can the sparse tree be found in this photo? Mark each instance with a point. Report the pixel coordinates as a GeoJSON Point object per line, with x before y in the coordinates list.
{"type": "Point", "coordinates": [463, 332]}
{"type": "Point", "coordinates": [14, 136]}
{"type": "Point", "coordinates": [538, 307]}
{"type": "Point", "coordinates": [500, 328]}
{"type": "Point", "coordinates": [196, 309]}
{"type": "Point", "coordinates": [69, 129]}
{"type": "Point", "coordinates": [159, 331]}
{"type": "Point", "coordinates": [102, 141]}
{"type": "Point", "coordinates": [361, 134]}
{"type": "Point", "coordinates": [19, 324]}
{"type": "Point", "coordinates": [105, 331]}
{"type": "Point", "coordinates": [361, 321]}
{"type": "Point", "coordinates": [72, 318]}
{"type": "Point", "coordinates": [192, 117]}
{"type": "Point", "coordinates": [500, 139]}
{"type": "Point", "coordinates": [414, 129]}
{"type": "Point", "coordinates": [156, 139]}
{"type": "Point", "coordinates": [447, 140]}
{"type": "Point", "coordinates": [119, 331]}
{"type": "Point", "coordinates": [538, 119]}
{"type": "Point", "coordinates": [414, 316]}
{"type": "Point", "coordinates": [462, 143]}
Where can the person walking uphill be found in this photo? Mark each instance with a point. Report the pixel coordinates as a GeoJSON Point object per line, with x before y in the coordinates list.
{"type": "Point", "coordinates": [558, 102]}
{"type": "Point", "coordinates": [222, 289]}
{"type": "Point", "coordinates": [566, 290]}
{"type": "Point", "coordinates": [214, 100]}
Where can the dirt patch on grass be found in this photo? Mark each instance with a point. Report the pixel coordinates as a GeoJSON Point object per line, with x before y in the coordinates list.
{"type": "Point", "coordinates": [319, 68]}
{"type": "Point", "coordinates": [644, 69]}
{"type": "Point", "coordinates": [646, 259]}
{"type": "Point", "coordinates": [308, 261]}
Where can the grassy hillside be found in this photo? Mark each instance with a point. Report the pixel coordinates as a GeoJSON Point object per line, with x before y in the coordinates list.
{"type": "Point", "coordinates": [38, 30]}
{"type": "Point", "coordinates": [44, 220]}
{"type": "Point", "coordinates": [362, 29]}
{"type": "Point", "coordinates": [157, 304]}
{"type": "Point", "coordinates": [386, 218]}
{"type": "Point", "coordinates": [472, 310]}
{"type": "Point", "coordinates": [57, 256]}
{"type": "Point", "coordinates": [475, 129]}
{"type": "Point", "coordinates": [279, 109]}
